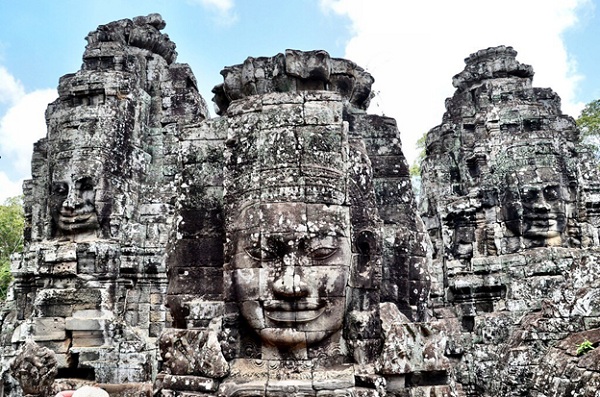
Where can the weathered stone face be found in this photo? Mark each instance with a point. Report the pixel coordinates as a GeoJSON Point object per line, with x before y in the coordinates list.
{"type": "Point", "coordinates": [538, 193]}
{"type": "Point", "coordinates": [294, 175]}
{"type": "Point", "coordinates": [288, 222]}
{"type": "Point", "coordinates": [72, 198]}
{"type": "Point", "coordinates": [510, 204]}
{"type": "Point", "coordinates": [292, 264]}
{"type": "Point", "coordinates": [280, 239]}
{"type": "Point", "coordinates": [100, 207]}
{"type": "Point", "coordinates": [534, 206]}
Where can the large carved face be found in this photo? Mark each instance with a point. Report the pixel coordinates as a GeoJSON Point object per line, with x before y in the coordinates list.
{"type": "Point", "coordinates": [535, 205]}
{"type": "Point", "coordinates": [291, 267]}
{"type": "Point", "coordinates": [72, 201]}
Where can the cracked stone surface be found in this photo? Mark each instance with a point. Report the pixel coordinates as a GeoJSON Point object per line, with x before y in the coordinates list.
{"type": "Point", "coordinates": [303, 189]}
{"type": "Point", "coordinates": [92, 280]}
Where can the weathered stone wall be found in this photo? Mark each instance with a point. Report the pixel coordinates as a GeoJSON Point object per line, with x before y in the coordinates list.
{"type": "Point", "coordinates": [294, 136]}
{"type": "Point", "coordinates": [134, 214]}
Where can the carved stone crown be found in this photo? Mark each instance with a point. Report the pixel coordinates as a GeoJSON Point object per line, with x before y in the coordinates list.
{"type": "Point", "coordinates": [111, 39]}
{"type": "Point", "coordinates": [277, 153]}
{"type": "Point", "coordinates": [491, 63]}
{"type": "Point", "coordinates": [294, 71]}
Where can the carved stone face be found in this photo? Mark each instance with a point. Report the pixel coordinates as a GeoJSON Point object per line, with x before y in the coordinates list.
{"type": "Point", "coordinates": [290, 270]}
{"type": "Point", "coordinates": [72, 203]}
{"type": "Point", "coordinates": [536, 207]}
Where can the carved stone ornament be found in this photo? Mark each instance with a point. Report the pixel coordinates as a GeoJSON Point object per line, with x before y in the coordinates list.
{"type": "Point", "coordinates": [35, 368]}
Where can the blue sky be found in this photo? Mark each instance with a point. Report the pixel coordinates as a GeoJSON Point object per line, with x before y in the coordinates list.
{"type": "Point", "coordinates": [412, 48]}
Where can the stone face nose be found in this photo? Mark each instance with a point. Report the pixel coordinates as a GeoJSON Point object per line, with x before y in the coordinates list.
{"type": "Point", "coordinates": [540, 203]}
{"type": "Point", "coordinates": [290, 283]}
{"type": "Point", "coordinates": [71, 200]}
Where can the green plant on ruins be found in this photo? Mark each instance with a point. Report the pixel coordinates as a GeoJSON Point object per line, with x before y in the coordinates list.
{"type": "Point", "coordinates": [584, 347]}
{"type": "Point", "coordinates": [589, 125]}
{"type": "Point", "coordinates": [12, 222]}
{"type": "Point", "coordinates": [415, 168]}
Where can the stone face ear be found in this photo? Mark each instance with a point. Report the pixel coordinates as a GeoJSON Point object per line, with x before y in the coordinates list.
{"type": "Point", "coordinates": [365, 243]}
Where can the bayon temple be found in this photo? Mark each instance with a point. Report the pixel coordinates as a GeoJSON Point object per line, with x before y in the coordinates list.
{"type": "Point", "coordinates": [278, 249]}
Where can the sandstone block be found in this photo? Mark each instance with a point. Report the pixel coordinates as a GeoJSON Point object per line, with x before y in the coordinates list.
{"type": "Point", "coordinates": [83, 324]}
{"type": "Point", "coordinates": [49, 329]}
{"type": "Point", "coordinates": [87, 338]}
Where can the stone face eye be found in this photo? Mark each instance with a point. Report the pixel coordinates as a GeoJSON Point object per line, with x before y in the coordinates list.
{"type": "Point", "coordinates": [259, 253]}
{"type": "Point", "coordinates": [551, 193]}
{"type": "Point", "coordinates": [321, 253]}
{"type": "Point", "coordinates": [530, 195]}
{"type": "Point", "coordinates": [86, 184]}
{"type": "Point", "coordinates": [60, 188]}
{"type": "Point", "coordinates": [254, 252]}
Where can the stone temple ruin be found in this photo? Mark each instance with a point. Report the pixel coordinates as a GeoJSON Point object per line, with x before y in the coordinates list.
{"type": "Point", "coordinates": [510, 202]}
{"type": "Point", "coordinates": [278, 249]}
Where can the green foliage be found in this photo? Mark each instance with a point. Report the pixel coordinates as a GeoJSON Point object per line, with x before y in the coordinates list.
{"type": "Point", "coordinates": [584, 347]}
{"type": "Point", "coordinates": [589, 119]}
{"type": "Point", "coordinates": [589, 124]}
{"type": "Point", "coordinates": [12, 222]}
{"type": "Point", "coordinates": [415, 168]}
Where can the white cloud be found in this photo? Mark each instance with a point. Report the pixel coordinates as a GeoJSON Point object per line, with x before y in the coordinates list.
{"type": "Point", "coordinates": [10, 188]}
{"type": "Point", "coordinates": [413, 48]}
{"type": "Point", "coordinates": [224, 10]}
{"type": "Point", "coordinates": [21, 126]}
{"type": "Point", "coordinates": [221, 5]}
{"type": "Point", "coordinates": [11, 90]}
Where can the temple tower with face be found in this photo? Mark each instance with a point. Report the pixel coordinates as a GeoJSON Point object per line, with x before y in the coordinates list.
{"type": "Point", "coordinates": [323, 268]}
{"type": "Point", "coordinates": [276, 249]}
{"type": "Point", "coordinates": [508, 198]}
{"type": "Point", "coordinates": [91, 282]}
{"type": "Point", "coordinates": [279, 240]}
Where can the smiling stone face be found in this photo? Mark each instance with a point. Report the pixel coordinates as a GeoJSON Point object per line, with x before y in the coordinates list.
{"type": "Point", "coordinates": [543, 210]}
{"type": "Point", "coordinates": [535, 205]}
{"type": "Point", "coordinates": [290, 270]}
{"type": "Point", "coordinates": [75, 188]}
{"type": "Point", "coordinates": [76, 212]}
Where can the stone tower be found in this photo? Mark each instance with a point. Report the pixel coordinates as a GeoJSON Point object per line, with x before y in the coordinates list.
{"type": "Point", "coordinates": [277, 249]}
{"type": "Point", "coordinates": [509, 200]}
{"type": "Point", "coordinates": [283, 232]}
{"type": "Point", "coordinates": [323, 266]}
{"type": "Point", "coordinates": [99, 208]}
